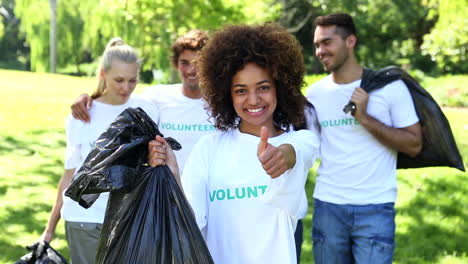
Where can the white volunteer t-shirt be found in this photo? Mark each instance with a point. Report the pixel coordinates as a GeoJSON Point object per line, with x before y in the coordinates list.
{"type": "Point", "coordinates": [355, 167]}
{"type": "Point", "coordinates": [81, 139]}
{"type": "Point", "coordinates": [181, 118]}
{"type": "Point", "coordinates": [246, 216]}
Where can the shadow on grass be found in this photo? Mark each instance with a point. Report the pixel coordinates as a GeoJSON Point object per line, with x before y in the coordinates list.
{"type": "Point", "coordinates": [50, 171]}
{"type": "Point", "coordinates": [28, 144]}
{"type": "Point", "coordinates": [436, 223]}
{"type": "Point", "coordinates": [11, 252]}
{"type": "Point", "coordinates": [36, 158]}
{"type": "Point", "coordinates": [21, 220]}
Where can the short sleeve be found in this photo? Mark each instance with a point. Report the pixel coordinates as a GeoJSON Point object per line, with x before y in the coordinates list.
{"type": "Point", "coordinates": [309, 92]}
{"type": "Point", "coordinates": [73, 147]}
{"type": "Point", "coordinates": [149, 106]}
{"type": "Point", "coordinates": [402, 109]}
{"type": "Point", "coordinates": [156, 93]}
{"type": "Point", "coordinates": [150, 93]}
{"type": "Point", "coordinates": [312, 120]}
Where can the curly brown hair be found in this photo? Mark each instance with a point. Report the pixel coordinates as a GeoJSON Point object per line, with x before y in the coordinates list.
{"type": "Point", "coordinates": [193, 40]}
{"type": "Point", "coordinates": [269, 46]}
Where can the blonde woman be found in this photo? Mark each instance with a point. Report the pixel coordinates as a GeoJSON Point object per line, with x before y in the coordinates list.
{"type": "Point", "coordinates": [117, 79]}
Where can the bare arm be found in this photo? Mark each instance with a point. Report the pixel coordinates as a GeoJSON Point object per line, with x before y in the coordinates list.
{"type": "Point", "coordinates": [407, 139]}
{"type": "Point", "coordinates": [54, 217]}
{"type": "Point", "coordinates": [80, 108]}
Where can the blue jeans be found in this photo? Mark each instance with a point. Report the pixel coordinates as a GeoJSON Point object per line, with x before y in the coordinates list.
{"type": "Point", "coordinates": [360, 234]}
{"type": "Point", "coordinates": [299, 238]}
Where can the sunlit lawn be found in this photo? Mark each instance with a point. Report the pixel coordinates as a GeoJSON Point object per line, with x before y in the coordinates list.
{"type": "Point", "coordinates": [432, 205]}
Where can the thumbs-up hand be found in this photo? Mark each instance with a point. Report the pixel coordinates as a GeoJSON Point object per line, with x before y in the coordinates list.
{"type": "Point", "coordinates": [263, 141]}
{"type": "Point", "coordinates": [273, 159]}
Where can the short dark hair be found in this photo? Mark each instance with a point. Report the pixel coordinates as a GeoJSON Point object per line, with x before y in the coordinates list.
{"type": "Point", "coordinates": [343, 22]}
{"type": "Point", "coordinates": [269, 46]}
{"type": "Point", "coordinates": [193, 40]}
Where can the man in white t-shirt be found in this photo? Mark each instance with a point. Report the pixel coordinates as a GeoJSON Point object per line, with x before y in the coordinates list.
{"type": "Point", "coordinates": [182, 109]}
{"type": "Point", "coordinates": [356, 187]}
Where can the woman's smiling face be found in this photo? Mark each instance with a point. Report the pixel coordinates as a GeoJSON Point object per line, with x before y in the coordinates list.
{"type": "Point", "coordinates": [253, 93]}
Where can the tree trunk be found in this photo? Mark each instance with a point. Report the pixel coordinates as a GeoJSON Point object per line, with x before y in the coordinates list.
{"type": "Point", "coordinates": [53, 35]}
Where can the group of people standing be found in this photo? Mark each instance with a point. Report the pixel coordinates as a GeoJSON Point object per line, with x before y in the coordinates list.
{"type": "Point", "coordinates": [249, 137]}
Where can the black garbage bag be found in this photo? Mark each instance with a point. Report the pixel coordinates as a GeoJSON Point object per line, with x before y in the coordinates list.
{"type": "Point", "coordinates": [148, 219]}
{"type": "Point", "coordinates": [41, 253]}
{"type": "Point", "coordinates": [439, 147]}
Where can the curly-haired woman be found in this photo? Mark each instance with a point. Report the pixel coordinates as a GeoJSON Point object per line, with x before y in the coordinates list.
{"type": "Point", "coordinates": [246, 207]}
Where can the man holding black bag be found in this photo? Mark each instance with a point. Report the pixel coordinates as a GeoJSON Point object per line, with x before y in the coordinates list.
{"type": "Point", "coordinates": [356, 187]}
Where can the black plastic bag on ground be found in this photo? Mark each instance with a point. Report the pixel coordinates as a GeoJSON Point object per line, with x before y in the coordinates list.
{"type": "Point", "coordinates": [148, 219]}
{"type": "Point", "coordinates": [41, 253]}
{"type": "Point", "coordinates": [439, 147]}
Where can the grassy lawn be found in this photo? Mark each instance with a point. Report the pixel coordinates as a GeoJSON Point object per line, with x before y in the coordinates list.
{"type": "Point", "coordinates": [432, 205]}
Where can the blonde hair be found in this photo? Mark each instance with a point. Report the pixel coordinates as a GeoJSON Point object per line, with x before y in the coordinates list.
{"type": "Point", "coordinates": [116, 49]}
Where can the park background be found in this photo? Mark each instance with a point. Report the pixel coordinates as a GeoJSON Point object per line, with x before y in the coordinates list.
{"type": "Point", "coordinates": [428, 38]}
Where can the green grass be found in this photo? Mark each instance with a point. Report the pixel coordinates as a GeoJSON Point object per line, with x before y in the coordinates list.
{"type": "Point", "coordinates": [448, 90]}
{"type": "Point", "coordinates": [432, 205]}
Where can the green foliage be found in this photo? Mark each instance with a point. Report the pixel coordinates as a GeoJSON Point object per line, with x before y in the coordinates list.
{"type": "Point", "coordinates": [35, 27]}
{"type": "Point", "coordinates": [35, 24]}
{"type": "Point", "coordinates": [448, 90]}
{"type": "Point", "coordinates": [70, 31]}
{"type": "Point", "coordinates": [154, 25]}
{"type": "Point", "coordinates": [429, 35]}
{"type": "Point", "coordinates": [310, 79]}
{"type": "Point", "coordinates": [297, 16]}
{"type": "Point", "coordinates": [2, 30]}
{"type": "Point", "coordinates": [13, 52]}
{"type": "Point", "coordinates": [257, 11]}
{"type": "Point", "coordinates": [431, 208]}
{"type": "Point", "coordinates": [85, 26]}
{"type": "Point", "coordinates": [447, 44]}
{"type": "Point", "coordinates": [389, 32]}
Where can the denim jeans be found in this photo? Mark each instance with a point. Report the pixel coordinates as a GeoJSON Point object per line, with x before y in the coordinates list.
{"type": "Point", "coordinates": [359, 234]}
{"type": "Point", "coordinates": [299, 238]}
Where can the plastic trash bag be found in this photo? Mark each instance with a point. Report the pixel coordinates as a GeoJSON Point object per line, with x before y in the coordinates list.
{"type": "Point", "coordinates": [148, 219]}
{"type": "Point", "coordinates": [41, 253]}
{"type": "Point", "coordinates": [439, 147]}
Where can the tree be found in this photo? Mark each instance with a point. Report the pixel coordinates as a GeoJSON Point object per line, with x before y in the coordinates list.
{"type": "Point", "coordinates": [85, 26]}
{"type": "Point", "coordinates": [35, 27]}
{"type": "Point", "coordinates": [53, 35]}
{"type": "Point", "coordinates": [152, 25]}
{"type": "Point", "coordinates": [12, 46]}
{"type": "Point", "coordinates": [447, 44]}
{"type": "Point", "coordinates": [390, 32]}
{"type": "Point", "coordinates": [297, 16]}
